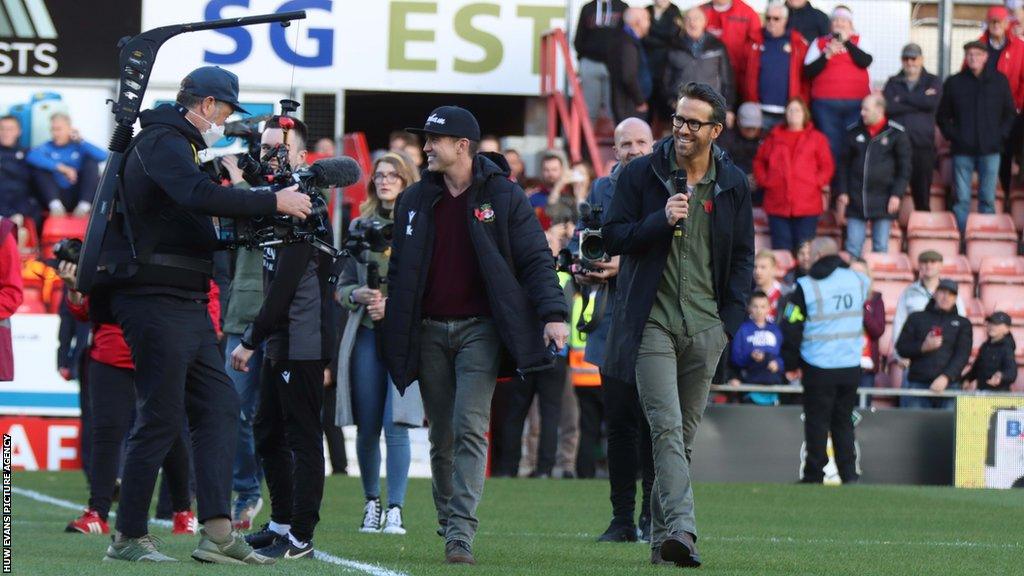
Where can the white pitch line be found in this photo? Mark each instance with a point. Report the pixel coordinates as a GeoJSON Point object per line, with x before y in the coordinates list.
{"type": "Point", "coordinates": [372, 569]}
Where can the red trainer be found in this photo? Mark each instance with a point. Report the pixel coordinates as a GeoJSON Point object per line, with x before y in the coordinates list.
{"type": "Point", "coordinates": [185, 523]}
{"type": "Point", "coordinates": [88, 523]}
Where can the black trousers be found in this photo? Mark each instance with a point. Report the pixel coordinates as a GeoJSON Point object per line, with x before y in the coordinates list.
{"type": "Point", "coordinates": [922, 170]}
{"type": "Point", "coordinates": [548, 386]}
{"type": "Point", "coordinates": [178, 369]}
{"type": "Point", "coordinates": [112, 398]}
{"type": "Point", "coordinates": [829, 399]}
{"type": "Point", "coordinates": [1011, 149]}
{"type": "Point", "coordinates": [630, 454]}
{"type": "Point", "coordinates": [290, 442]}
{"type": "Point", "coordinates": [333, 434]}
{"type": "Point", "coordinates": [85, 417]}
{"type": "Point", "coordinates": [83, 189]}
{"type": "Point", "coordinates": [591, 417]}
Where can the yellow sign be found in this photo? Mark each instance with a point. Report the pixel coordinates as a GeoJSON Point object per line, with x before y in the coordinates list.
{"type": "Point", "coordinates": [989, 442]}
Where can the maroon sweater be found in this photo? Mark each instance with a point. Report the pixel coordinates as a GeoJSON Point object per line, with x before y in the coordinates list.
{"type": "Point", "coordinates": [455, 285]}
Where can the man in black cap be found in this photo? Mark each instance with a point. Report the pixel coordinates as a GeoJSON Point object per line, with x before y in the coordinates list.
{"type": "Point", "coordinates": [156, 265]}
{"type": "Point", "coordinates": [470, 274]}
{"type": "Point", "coordinates": [937, 341]}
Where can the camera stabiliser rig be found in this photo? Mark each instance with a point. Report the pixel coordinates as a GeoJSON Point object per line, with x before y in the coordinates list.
{"type": "Point", "coordinates": [135, 63]}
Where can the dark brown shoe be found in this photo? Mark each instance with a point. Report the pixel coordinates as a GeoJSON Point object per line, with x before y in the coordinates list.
{"type": "Point", "coordinates": [657, 560]}
{"type": "Point", "coordinates": [458, 552]}
{"type": "Point", "coordinates": [681, 550]}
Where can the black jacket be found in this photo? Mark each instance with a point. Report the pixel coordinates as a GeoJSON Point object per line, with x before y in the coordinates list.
{"type": "Point", "coordinates": [514, 257]}
{"type": "Point", "coordinates": [171, 200]}
{"type": "Point", "coordinates": [950, 359]}
{"type": "Point", "coordinates": [872, 170]}
{"type": "Point", "coordinates": [16, 184]}
{"type": "Point", "coordinates": [660, 37]}
{"type": "Point", "coordinates": [976, 112]}
{"type": "Point", "coordinates": [592, 37]}
{"type": "Point", "coordinates": [626, 72]}
{"type": "Point", "coordinates": [914, 109]}
{"type": "Point", "coordinates": [995, 357]}
{"type": "Point", "coordinates": [705, 60]}
{"type": "Point", "coordinates": [809, 21]}
{"type": "Point", "coordinates": [636, 227]}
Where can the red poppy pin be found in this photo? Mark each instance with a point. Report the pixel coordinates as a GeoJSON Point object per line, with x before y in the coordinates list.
{"type": "Point", "coordinates": [709, 207]}
{"type": "Point", "coordinates": [484, 213]}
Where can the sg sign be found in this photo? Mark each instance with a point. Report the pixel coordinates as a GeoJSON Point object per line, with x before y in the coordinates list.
{"type": "Point", "coordinates": [323, 57]}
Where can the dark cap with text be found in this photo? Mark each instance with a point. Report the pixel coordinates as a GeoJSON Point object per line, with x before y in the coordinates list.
{"type": "Point", "coordinates": [450, 121]}
{"type": "Point", "coordinates": [213, 81]}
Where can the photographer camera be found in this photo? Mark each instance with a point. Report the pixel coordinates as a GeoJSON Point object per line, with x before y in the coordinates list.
{"type": "Point", "coordinates": [157, 265]}
{"type": "Point", "coordinates": [296, 323]}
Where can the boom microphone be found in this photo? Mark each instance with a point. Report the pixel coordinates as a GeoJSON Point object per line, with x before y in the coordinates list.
{"type": "Point", "coordinates": [343, 171]}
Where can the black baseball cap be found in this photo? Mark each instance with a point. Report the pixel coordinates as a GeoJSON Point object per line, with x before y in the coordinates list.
{"type": "Point", "coordinates": [213, 81]}
{"type": "Point", "coordinates": [948, 285]}
{"type": "Point", "coordinates": [999, 318]}
{"type": "Point", "coordinates": [450, 121]}
{"type": "Point", "coordinates": [975, 45]}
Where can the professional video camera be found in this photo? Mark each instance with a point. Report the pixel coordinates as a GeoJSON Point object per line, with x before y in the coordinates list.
{"type": "Point", "coordinates": [273, 170]}
{"type": "Point", "coordinates": [368, 235]}
{"type": "Point", "coordinates": [589, 247]}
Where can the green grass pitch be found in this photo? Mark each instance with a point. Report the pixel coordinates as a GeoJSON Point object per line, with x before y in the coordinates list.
{"type": "Point", "coordinates": [548, 527]}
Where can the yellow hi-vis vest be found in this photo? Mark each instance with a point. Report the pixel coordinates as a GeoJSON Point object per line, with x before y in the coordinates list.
{"type": "Point", "coordinates": [583, 372]}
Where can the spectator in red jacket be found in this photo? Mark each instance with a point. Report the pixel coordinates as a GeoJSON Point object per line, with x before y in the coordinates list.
{"type": "Point", "coordinates": [793, 166]}
{"type": "Point", "coordinates": [1006, 56]}
{"type": "Point", "coordinates": [10, 294]}
{"type": "Point", "coordinates": [838, 68]}
{"type": "Point", "coordinates": [874, 326]}
{"type": "Point", "coordinates": [775, 66]}
{"type": "Point", "coordinates": [738, 26]}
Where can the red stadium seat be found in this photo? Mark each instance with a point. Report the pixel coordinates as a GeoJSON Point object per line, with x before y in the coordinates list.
{"type": "Point", "coordinates": [937, 200]}
{"type": "Point", "coordinates": [891, 290]}
{"type": "Point", "coordinates": [784, 262]}
{"type": "Point", "coordinates": [975, 312]}
{"type": "Point", "coordinates": [932, 231]}
{"type": "Point", "coordinates": [891, 266]}
{"type": "Point", "coordinates": [895, 241]}
{"type": "Point", "coordinates": [958, 269]}
{"type": "Point", "coordinates": [906, 209]}
{"type": "Point", "coordinates": [1001, 281]}
{"type": "Point", "coordinates": [32, 302]}
{"type": "Point", "coordinates": [762, 242]}
{"type": "Point", "coordinates": [989, 235]}
{"type": "Point", "coordinates": [58, 227]}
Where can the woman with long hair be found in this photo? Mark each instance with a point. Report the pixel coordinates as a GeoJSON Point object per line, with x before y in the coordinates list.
{"type": "Point", "coordinates": [360, 369]}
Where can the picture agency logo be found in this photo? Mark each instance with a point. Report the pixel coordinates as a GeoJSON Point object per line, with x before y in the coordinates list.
{"type": "Point", "coordinates": [6, 524]}
{"type": "Point", "coordinates": [27, 32]}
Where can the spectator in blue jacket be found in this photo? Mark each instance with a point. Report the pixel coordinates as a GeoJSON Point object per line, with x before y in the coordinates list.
{"type": "Point", "coordinates": [15, 175]}
{"type": "Point", "coordinates": [757, 351]}
{"type": "Point", "coordinates": [67, 168]}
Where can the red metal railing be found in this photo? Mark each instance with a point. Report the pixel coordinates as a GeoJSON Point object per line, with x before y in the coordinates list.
{"type": "Point", "coordinates": [571, 113]}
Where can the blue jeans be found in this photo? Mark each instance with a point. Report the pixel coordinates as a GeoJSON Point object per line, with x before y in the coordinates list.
{"type": "Point", "coordinates": [371, 403]}
{"type": "Point", "coordinates": [832, 117]}
{"type": "Point", "coordinates": [924, 402]}
{"type": "Point", "coordinates": [856, 230]}
{"type": "Point", "coordinates": [247, 472]}
{"type": "Point", "coordinates": [988, 173]}
{"type": "Point", "coordinates": [789, 233]}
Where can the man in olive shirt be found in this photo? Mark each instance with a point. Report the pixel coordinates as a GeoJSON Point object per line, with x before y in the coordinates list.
{"type": "Point", "coordinates": [682, 220]}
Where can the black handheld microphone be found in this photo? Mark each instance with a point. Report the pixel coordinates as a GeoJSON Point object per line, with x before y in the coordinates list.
{"type": "Point", "coordinates": [679, 182]}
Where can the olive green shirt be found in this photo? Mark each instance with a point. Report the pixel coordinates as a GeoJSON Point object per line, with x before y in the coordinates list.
{"type": "Point", "coordinates": [685, 303]}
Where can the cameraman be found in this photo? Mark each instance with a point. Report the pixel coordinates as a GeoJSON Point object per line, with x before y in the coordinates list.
{"type": "Point", "coordinates": [158, 295]}
{"type": "Point", "coordinates": [629, 437]}
{"type": "Point", "coordinates": [296, 323]}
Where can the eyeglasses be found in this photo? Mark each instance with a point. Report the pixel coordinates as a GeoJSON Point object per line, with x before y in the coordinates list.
{"type": "Point", "coordinates": [390, 176]}
{"type": "Point", "coordinates": [691, 124]}
{"type": "Point", "coordinates": [773, 18]}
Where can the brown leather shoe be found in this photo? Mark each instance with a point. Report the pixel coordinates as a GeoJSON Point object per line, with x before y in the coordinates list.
{"type": "Point", "coordinates": [458, 552]}
{"type": "Point", "coordinates": [656, 558]}
{"type": "Point", "coordinates": [681, 550]}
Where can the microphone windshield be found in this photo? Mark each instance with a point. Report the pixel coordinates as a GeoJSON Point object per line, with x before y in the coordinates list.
{"type": "Point", "coordinates": [343, 171]}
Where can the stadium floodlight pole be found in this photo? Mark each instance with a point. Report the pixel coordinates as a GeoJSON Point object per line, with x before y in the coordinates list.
{"type": "Point", "coordinates": [135, 63]}
{"type": "Point", "coordinates": [945, 37]}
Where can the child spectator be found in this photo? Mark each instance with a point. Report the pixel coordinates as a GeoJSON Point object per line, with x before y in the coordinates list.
{"type": "Point", "coordinates": [765, 267]}
{"type": "Point", "coordinates": [757, 351]}
{"type": "Point", "coordinates": [995, 368]}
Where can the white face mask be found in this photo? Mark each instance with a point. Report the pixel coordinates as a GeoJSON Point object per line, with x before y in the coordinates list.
{"type": "Point", "coordinates": [211, 135]}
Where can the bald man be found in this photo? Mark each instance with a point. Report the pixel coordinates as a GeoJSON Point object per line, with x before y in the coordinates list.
{"type": "Point", "coordinates": [629, 437]}
{"type": "Point", "coordinates": [822, 333]}
{"type": "Point", "coordinates": [631, 81]}
{"type": "Point", "coordinates": [872, 175]}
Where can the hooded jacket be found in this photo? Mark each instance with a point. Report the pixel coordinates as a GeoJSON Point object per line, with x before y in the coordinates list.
{"type": "Point", "coordinates": [636, 228]}
{"type": "Point", "coordinates": [793, 169]}
{"type": "Point", "coordinates": [995, 357]}
{"type": "Point", "coordinates": [792, 318]}
{"type": "Point", "coordinates": [950, 359]}
{"type": "Point", "coordinates": [170, 202]}
{"type": "Point", "coordinates": [873, 169]}
{"type": "Point", "coordinates": [514, 258]}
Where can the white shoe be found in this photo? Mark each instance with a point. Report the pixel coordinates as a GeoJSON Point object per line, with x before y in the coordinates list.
{"type": "Point", "coordinates": [393, 521]}
{"type": "Point", "coordinates": [371, 517]}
